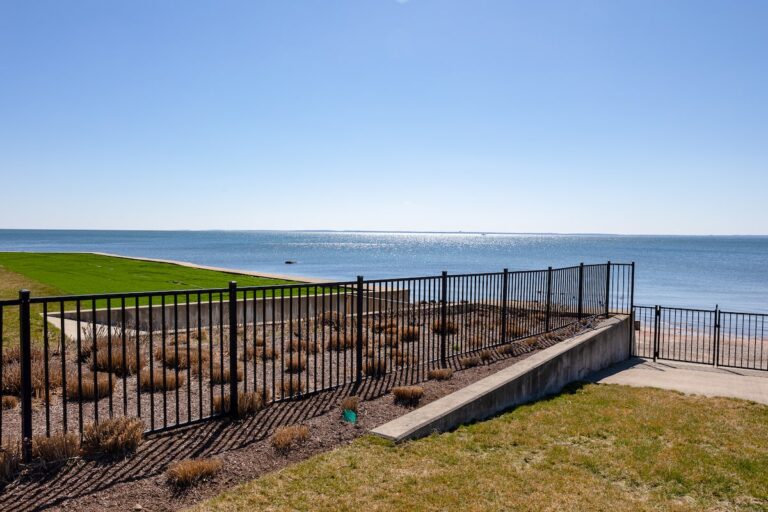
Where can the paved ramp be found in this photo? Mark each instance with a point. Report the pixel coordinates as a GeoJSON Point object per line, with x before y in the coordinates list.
{"type": "Point", "coordinates": [688, 378]}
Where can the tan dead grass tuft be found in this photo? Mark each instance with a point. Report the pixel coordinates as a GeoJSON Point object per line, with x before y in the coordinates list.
{"type": "Point", "coordinates": [340, 342]}
{"type": "Point", "coordinates": [190, 471]}
{"type": "Point", "coordinates": [449, 328]}
{"type": "Point", "coordinates": [408, 395]}
{"type": "Point", "coordinates": [292, 386]}
{"type": "Point", "coordinates": [440, 374]}
{"type": "Point", "coordinates": [222, 374]}
{"type": "Point", "coordinates": [350, 403]}
{"type": "Point", "coordinates": [153, 381]}
{"type": "Point", "coordinates": [375, 367]}
{"type": "Point", "coordinates": [469, 361]}
{"type": "Point", "coordinates": [86, 389]}
{"type": "Point", "coordinates": [113, 436]}
{"type": "Point", "coordinates": [10, 402]}
{"type": "Point", "coordinates": [485, 356]}
{"type": "Point", "coordinates": [10, 458]}
{"type": "Point", "coordinates": [295, 362]}
{"type": "Point", "coordinates": [128, 365]}
{"type": "Point", "coordinates": [288, 437]}
{"type": "Point", "coordinates": [56, 448]}
{"type": "Point", "coordinates": [248, 402]}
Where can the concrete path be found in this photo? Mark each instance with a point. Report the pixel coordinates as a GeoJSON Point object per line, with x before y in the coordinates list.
{"type": "Point", "coordinates": [688, 378]}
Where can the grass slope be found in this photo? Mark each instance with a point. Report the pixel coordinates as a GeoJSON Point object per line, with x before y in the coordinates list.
{"type": "Point", "coordinates": [69, 273]}
{"type": "Point", "coordinates": [597, 447]}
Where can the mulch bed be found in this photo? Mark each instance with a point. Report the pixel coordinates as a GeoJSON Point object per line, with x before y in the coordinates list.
{"type": "Point", "coordinates": [244, 446]}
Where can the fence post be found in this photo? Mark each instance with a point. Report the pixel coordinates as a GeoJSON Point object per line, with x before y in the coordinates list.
{"type": "Point", "coordinates": [26, 375]}
{"type": "Point", "coordinates": [581, 291]}
{"type": "Point", "coordinates": [656, 325]}
{"type": "Point", "coordinates": [504, 291]}
{"type": "Point", "coordinates": [443, 317]}
{"type": "Point", "coordinates": [359, 341]}
{"type": "Point", "coordinates": [632, 331]}
{"type": "Point", "coordinates": [549, 300]}
{"type": "Point", "coordinates": [233, 349]}
{"type": "Point", "coordinates": [717, 336]}
{"type": "Point", "coordinates": [608, 289]}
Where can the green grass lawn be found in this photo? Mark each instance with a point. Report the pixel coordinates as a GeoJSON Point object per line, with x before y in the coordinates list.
{"type": "Point", "coordinates": [52, 274]}
{"type": "Point", "coordinates": [597, 447]}
{"type": "Point", "coordinates": [72, 274]}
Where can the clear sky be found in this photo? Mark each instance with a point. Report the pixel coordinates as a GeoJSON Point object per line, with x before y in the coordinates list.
{"type": "Point", "coordinates": [540, 116]}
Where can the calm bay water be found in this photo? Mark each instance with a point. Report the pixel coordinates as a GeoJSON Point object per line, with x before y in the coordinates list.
{"type": "Point", "coordinates": [690, 271]}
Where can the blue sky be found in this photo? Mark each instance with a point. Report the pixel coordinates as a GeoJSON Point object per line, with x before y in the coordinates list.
{"type": "Point", "coordinates": [574, 116]}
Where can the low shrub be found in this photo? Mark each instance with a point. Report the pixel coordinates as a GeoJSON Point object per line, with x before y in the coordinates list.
{"type": "Point", "coordinates": [375, 367]}
{"type": "Point", "coordinates": [350, 403]}
{"type": "Point", "coordinates": [222, 374]}
{"type": "Point", "coordinates": [469, 361]}
{"type": "Point", "coordinates": [333, 320]}
{"type": "Point", "coordinates": [248, 402]}
{"type": "Point", "coordinates": [13, 354]}
{"type": "Point", "coordinates": [177, 357]}
{"type": "Point", "coordinates": [449, 328]}
{"type": "Point", "coordinates": [250, 352]}
{"type": "Point", "coordinates": [267, 354]}
{"type": "Point", "coordinates": [153, 381]}
{"type": "Point", "coordinates": [292, 386]}
{"type": "Point", "coordinates": [12, 377]}
{"type": "Point", "coordinates": [113, 436]}
{"type": "Point", "coordinates": [440, 374]}
{"type": "Point", "coordinates": [10, 402]}
{"type": "Point", "coordinates": [295, 362]}
{"type": "Point", "coordinates": [340, 342]}
{"type": "Point", "coordinates": [128, 365]}
{"type": "Point", "coordinates": [190, 471]}
{"type": "Point", "coordinates": [517, 330]}
{"type": "Point", "coordinates": [408, 395]}
{"type": "Point", "coordinates": [288, 437]}
{"type": "Point", "coordinates": [485, 356]}
{"type": "Point", "coordinates": [56, 448]}
{"type": "Point", "coordinates": [302, 346]}
{"type": "Point", "coordinates": [85, 389]}
{"type": "Point", "coordinates": [410, 334]}
{"type": "Point", "coordinates": [10, 458]}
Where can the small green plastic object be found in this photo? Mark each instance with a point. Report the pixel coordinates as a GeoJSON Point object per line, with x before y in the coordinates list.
{"type": "Point", "coordinates": [349, 416]}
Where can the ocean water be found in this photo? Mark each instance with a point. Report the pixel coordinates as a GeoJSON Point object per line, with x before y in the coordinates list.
{"type": "Point", "coordinates": [687, 271]}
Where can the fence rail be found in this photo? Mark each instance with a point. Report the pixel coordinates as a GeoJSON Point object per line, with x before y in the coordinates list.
{"type": "Point", "coordinates": [720, 338]}
{"type": "Point", "coordinates": [175, 358]}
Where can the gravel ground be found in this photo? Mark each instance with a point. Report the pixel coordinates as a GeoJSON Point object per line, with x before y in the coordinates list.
{"type": "Point", "coordinates": [244, 447]}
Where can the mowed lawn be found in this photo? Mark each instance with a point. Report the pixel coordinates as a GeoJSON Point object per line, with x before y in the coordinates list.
{"type": "Point", "coordinates": [55, 274]}
{"type": "Point", "coordinates": [596, 447]}
{"type": "Point", "coordinates": [72, 274]}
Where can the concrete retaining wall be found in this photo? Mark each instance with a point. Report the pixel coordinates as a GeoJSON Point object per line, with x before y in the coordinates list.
{"type": "Point", "coordinates": [248, 310]}
{"type": "Point", "coordinates": [544, 373]}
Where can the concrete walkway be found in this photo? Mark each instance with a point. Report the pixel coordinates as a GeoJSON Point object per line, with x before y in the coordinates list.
{"type": "Point", "coordinates": [688, 378]}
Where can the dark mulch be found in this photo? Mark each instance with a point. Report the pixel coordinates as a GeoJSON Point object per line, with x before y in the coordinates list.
{"type": "Point", "coordinates": [244, 446]}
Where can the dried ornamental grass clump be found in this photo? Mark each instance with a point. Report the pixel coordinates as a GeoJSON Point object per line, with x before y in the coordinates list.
{"type": "Point", "coordinates": [449, 328]}
{"type": "Point", "coordinates": [292, 386]}
{"type": "Point", "coordinates": [222, 374]}
{"type": "Point", "coordinates": [190, 471]}
{"type": "Point", "coordinates": [485, 356]}
{"type": "Point", "coordinates": [10, 458]}
{"type": "Point", "coordinates": [177, 356]}
{"type": "Point", "coordinates": [12, 378]}
{"type": "Point", "coordinates": [375, 367]}
{"type": "Point", "coordinates": [117, 362]}
{"type": "Point", "coordinates": [408, 395]}
{"type": "Point", "coordinates": [302, 346]}
{"type": "Point", "coordinates": [114, 436]}
{"type": "Point", "coordinates": [440, 374]}
{"type": "Point", "coordinates": [248, 402]}
{"type": "Point", "coordinates": [469, 361]}
{"type": "Point", "coordinates": [289, 437]}
{"type": "Point", "coordinates": [340, 342]}
{"type": "Point", "coordinates": [410, 334]}
{"type": "Point", "coordinates": [350, 403]}
{"type": "Point", "coordinates": [159, 380]}
{"type": "Point", "coordinates": [56, 448]}
{"type": "Point", "coordinates": [85, 389]}
{"type": "Point", "coordinates": [10, 402]}
{"type": "Point", "coordinates": [295, 362]}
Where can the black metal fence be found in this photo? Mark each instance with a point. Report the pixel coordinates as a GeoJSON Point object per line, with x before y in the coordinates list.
{"type": "Point", "coordinates": [174, 358]}
{"type": "Point", "coordinates": [719, 338]}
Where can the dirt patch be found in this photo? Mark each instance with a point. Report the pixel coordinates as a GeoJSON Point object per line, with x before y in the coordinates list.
{"type": "Point", "coordinates": [243, 446]}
